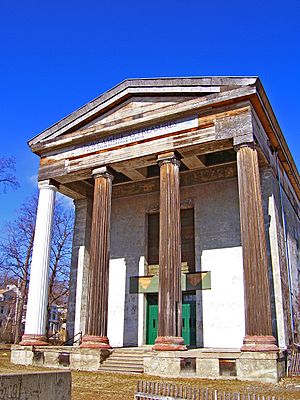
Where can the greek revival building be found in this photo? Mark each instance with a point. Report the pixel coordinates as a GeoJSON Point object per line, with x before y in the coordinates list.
{"type": "Point", "coordinates": [186, 232]}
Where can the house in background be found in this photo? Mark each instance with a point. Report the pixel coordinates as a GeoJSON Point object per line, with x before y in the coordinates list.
{"type": "Point", "coordinates": [8, 310]}
{"type": "Point", "coordinates": [57, 324]}
{"type": "Point", "coordinates": [8, 303]}
{"type": "Point", "coordinates": [186, 231]}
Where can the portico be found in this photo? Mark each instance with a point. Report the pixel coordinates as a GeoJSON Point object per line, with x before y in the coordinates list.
{"type": "Point", "coordinates": [170, 212]}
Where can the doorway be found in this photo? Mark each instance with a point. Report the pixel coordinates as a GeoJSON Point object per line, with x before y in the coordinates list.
{"type": "Point", "coordinates": [188, 318]}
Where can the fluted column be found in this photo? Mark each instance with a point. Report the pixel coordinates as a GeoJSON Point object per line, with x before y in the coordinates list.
{"type": "Point", "coordinates": [169, 295]}
{"type": "Point", "coordinates": [258, 320]}
{"type": "Point", "coordinates": [36, 315]}
{"type": "Point", "coordinates": [96, 323]}
{"type": "Point", "coordinates": [77, 304]}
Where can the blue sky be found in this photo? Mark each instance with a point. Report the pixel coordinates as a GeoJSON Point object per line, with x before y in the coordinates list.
{"type": "Point", "coordinates": [58, 55]}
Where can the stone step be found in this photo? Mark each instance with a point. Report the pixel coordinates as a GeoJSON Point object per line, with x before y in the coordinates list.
{"type": "Point", "coordinates": [129, 351]}
{"type": "Point", "coordinates": [125, 360]}
{"type": "Point", "coordinates": [125, 357]}
{"type": "Point", "coordinates": [112, 363]}
{"type": "Point", "coordinates": [121, 369]}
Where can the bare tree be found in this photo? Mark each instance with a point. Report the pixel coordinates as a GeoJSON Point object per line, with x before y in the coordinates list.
{"type": "Point", "coordinates": [7, 177]}
{"type": "Point", "coordinates": [61, 248]}
{"type": "Point", "coordinates": [16, 253]}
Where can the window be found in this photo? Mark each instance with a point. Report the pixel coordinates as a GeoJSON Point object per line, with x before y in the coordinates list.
{"type": "Point", "coordinates": [187, 241]}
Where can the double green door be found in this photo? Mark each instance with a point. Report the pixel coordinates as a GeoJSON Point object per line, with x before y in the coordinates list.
{"type": "Point", "coordinates": [188, 319]}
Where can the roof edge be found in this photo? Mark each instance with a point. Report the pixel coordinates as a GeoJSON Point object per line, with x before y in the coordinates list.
{"type": "Point", "coordinates": [142, 82]}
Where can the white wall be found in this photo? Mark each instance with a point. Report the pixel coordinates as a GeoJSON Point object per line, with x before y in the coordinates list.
{"type": "Point", "coordinates": [220, 311]}
{"type": "Point", "coordinates": [116, 301]}
{"type": "Point", "coordinates": [127, 258]}
{"type": "Point", "coordinates": [223, 305]}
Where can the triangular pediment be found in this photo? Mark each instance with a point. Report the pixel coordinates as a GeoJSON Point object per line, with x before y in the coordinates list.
{"type": "Point", "coordinates": [133, 108]}
{"type": "Point", "coordinates": [131, 99]}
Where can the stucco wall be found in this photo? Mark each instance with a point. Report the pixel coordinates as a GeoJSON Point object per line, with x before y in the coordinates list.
{"type": "Point", "coordinates": [220, 311]}
{"type": "Point", "coordinates": [293, 252]}
{"type": "Point", "coordinates": [282, 257]}
{"type": "Point", "coordinates": [77, 306]}
{"type": "Point", "coordinates": [221, 321]}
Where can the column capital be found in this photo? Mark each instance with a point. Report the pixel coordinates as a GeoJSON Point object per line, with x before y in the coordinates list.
{"type": "Point", "coordinates": [169, 158]}
{"type": "Point", "coordinates": [251, 145]}
{"type": "Point", "coordinates": [48, 184]}
{"type": "Point", "coordinates": [104, 172]}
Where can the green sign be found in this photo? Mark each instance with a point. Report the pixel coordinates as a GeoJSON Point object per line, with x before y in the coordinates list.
{"type": "Point", "coordinates": [189, 281]}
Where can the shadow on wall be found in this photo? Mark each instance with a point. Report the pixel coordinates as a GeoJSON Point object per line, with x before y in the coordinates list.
{"type": "Point", "coordinates": [128, 244]}
{"type": "Point", "coordinates": [217, 228]}
{"type": "Point", "coordinates": [131, 307]}
{"type": "Point", "coordinates": [275, 205]}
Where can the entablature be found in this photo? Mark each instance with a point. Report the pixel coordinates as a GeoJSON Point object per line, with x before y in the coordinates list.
{"type": "Point", "coordinates": [139, 119]}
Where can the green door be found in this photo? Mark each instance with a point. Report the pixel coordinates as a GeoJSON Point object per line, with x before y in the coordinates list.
{"type": "Point", "coordinates": [188, 319]}
{"type": "Point", "coordinates": [152, 318]}
{"type": "Point", "coordinates": [189, 323]}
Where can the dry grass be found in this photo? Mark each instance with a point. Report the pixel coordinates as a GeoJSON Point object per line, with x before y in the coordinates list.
{"type": "Point", "coordinates": [115, 386]}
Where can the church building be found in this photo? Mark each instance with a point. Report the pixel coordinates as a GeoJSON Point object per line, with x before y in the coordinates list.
{"type": "Point", "coordinates": [187, 235]}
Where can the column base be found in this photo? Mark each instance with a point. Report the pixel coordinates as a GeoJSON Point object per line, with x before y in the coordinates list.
{"type": "Point", "coordinates": [95, 342]}
{"type": "Point", "coordinates": [34, 340]}
{"type": "Point", "coordinates": [259, 343]}
{"type": "Point", "coordinates": [169, 343]}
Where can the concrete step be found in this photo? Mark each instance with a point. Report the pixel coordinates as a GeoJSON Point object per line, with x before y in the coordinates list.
{"type": "Point", "coordinates": [126, 357]}
{"type": "Point", "coordinates": [120, 369]}
{"type": "Point", "coordinates": [131, 351]}
{"type": "Point", "coordinates": [123, 362]}
{"type": "Point", "coordinates": [126, 360]}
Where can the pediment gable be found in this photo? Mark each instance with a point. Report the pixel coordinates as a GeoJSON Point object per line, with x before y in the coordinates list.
{"type": "Point", "coordinates": [133, 108]}
{"type": "Point", "coordinates": [133, 98]}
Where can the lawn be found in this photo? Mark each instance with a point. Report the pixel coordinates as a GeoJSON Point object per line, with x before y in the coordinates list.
{"type": "Point", "coordinates": [116, 386]}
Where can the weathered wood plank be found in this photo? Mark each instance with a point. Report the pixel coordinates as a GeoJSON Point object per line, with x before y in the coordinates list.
{"type": "Point", "coordinates": [169, 297]}
{"type": "Point", "coordinates": [132, 173]}
{"type": "Point", "coordinates": [258, 321]}
{"type": "Point", "coordinates": [96, 323]}
{"type": "Point", "coordinates": [193, 162]}
{"type": "Point", "coordinates": [77, 190]}
{"type": "Point", "coordinates": [186, 108]}
{"type": "Point", "coordinates": [187, 178]}
{"type": "Point", "coordinates": [237, 126]}
{"type": "Point", "coordinates": [168, 143]}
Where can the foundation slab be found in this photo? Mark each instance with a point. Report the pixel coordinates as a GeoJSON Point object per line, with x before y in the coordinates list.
{"type": "Point", "coordinates": [64, 357]}
{"type": "Point", "coordinates": [202, 363]}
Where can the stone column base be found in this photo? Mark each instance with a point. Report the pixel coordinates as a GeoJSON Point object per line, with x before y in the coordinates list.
{"type": "Point", "coordinates": [34, 340]}
{"type": "Point", "coordinates": [95, 342]}
{"type": "Point", "coordinates": [169, 343]}
{"type": "Point", "coordinates": [259, 366]}
{"type": "Point", "coordinates": [259, 343]}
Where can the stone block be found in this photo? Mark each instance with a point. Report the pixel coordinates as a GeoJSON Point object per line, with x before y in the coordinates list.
{"type": "Point", "coordinates": [36, 385]}
{"type": "Point", "coordinates": [207, 368]}
{"type": "Point", "coordinates": [51, 359]}
{"type": "Point", "coordinates": [254, 366]}
{"type": "Point", "coordinates": [85, 361]}
{"type": "Point", "coordinates": [21, 355]}
{"type": "Point", "coordinates": [162, 364]}
{"type": "Point", "coordinates": [282, 364]}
